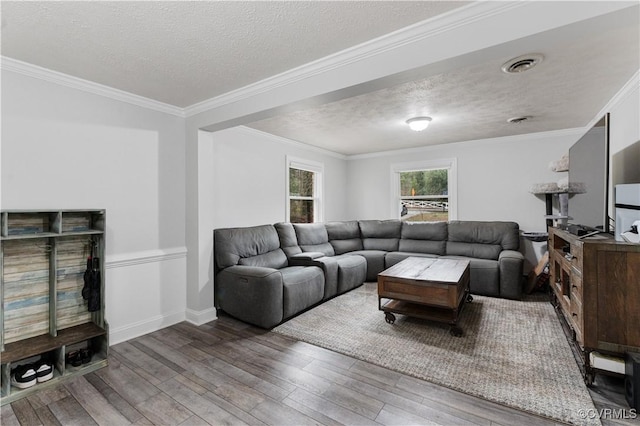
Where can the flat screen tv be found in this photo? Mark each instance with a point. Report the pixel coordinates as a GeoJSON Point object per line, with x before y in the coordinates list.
{"type": "Point", "coordinates": [589, 171]}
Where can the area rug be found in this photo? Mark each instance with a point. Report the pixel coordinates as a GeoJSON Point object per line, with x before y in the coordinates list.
{"type": "Point", "coordinates": [513, 353]}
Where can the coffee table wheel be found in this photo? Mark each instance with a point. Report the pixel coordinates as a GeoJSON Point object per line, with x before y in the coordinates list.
{"type": "Point", "coordinates": [469, 298]}
{"type": "Point", "coordinates": [588, 379]}
{"type": "Point", "coordinates": [455, 331]}
{"type": "Point", "coordinates": [389, 317]}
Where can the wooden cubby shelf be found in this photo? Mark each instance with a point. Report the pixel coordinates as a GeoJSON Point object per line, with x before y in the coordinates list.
{"type": "Point", "coordinates": [45, 343]}
{"type": "Point", "coordinates": [43, 258]}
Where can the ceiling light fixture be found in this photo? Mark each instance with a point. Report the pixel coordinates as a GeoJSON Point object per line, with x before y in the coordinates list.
{"type": "Point", "coordinates": [522, 63]}
{"type": "Point", "coordinates": [419, 123]}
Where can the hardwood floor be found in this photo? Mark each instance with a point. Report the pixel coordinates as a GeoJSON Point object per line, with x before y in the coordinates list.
{"type": "Point", "coordinates": [226, 372]}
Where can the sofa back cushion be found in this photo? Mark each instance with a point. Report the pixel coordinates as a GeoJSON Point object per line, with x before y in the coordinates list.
{"type": "Point", "coordinates": [484, 240]}
{"type": "Point", "coordinates": [424, 237]}
{"type": "Point", "coordinates": [252, 246]}
{"type": "Point", "coordinates": [344, 236]}
{"type": "Point", "coordinates": [313, 237]}
{"type": "Point", "coordinates": [288, 238]}
{"type": "Point", "coordinates": [380, 234]}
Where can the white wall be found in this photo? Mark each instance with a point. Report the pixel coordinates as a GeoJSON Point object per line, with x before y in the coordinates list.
{"type": "Point", "coordinates": [494, 177]}
{"type": "Point", "coordinates": [249, 178]}
{"type": "Point", "coordinates": [240, 181]}
{"type": "Point", "coordinates": [64, 148]}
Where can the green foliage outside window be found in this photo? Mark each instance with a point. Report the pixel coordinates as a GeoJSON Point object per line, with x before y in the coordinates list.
{"type": "Point", "coordinates": [301, 211]}
{"type": "Point", "coordinates": [301, 185]}
{"type": "Point", "coordinates": [424, 182]}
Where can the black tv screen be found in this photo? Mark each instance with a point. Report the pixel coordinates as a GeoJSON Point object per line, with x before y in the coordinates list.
{"type": "Point", "coordinates": [589, 171]}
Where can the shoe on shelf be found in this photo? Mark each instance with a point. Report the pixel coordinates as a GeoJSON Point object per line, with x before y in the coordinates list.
{"type": "Point", "coordinates": [43, 369]}
{"type": "Point", "coordinates": [23, 376]}
{"type": "Point", "coordinates": [85, 355]}
{"type": "Point", "coordinates": [74, 358]}
{"type": "Point", "coordinates": [79, 356]}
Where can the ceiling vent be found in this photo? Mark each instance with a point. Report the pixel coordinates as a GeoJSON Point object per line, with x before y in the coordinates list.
{"type": "Point", "coordinates": [518, 120]}
{"type": "Point", "coordinates": [522, 63]}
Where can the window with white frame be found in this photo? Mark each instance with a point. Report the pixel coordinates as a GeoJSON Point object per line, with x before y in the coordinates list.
{"type": "Point", "coordinates": [304, 191]}
{"type": "Point", "coordinates": [425, 191]}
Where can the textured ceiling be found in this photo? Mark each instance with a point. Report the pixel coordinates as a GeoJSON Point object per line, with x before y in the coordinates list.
{"type": "Point", "coordinates": [182, 53]}
{"type": "Point", "coordinates": [584, 65]}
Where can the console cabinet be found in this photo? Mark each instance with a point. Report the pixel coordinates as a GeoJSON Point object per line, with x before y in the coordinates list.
{"type": "Point", "coordinates": [595, 285]}
{"type": "Point", "coordinates": [43, 257]}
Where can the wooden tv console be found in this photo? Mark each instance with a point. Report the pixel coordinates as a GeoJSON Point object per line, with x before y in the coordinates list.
{"type": "Point", "coordinates": [595, 284]}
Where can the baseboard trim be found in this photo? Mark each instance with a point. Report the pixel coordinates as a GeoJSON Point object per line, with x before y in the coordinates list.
{"type": "Point", "coordinates": [201, 317]}
{"type": "Point", "coordinates": [122, 334]}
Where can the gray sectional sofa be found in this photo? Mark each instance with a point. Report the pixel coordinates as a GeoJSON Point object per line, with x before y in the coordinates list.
{"type": "Point", "coordinates": [267, 274]}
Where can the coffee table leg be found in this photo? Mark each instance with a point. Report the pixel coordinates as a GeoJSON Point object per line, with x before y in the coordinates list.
{"type": "Point", "coordinates": [389, 317]}
{"type": "Point", "coordinates": [456, 331]}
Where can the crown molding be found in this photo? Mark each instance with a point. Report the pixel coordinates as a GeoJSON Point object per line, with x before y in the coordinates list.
{"type": "Point", "coordinates": [279, 139]}
{"type": "Point", "coordinates": [62, 79]}
{"type": "Point", "coordinates": [632, 84]}
{"type": "Point", "coordinates": [426, 29]}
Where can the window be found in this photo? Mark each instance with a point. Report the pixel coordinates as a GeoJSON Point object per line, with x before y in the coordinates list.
{"type": "Point", "coordinates": [425, 192]}
{"type": "Point", "coordinates": [304, 191]}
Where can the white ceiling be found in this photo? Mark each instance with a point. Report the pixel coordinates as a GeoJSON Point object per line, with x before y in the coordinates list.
{"type": "Point", "coordinates": [183, 53]}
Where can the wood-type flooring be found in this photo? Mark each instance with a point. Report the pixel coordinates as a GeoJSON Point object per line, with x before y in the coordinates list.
{"type": "Point", "coordinates": [226, 372]}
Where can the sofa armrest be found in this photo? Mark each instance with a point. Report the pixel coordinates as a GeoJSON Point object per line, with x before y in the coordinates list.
{"type": "Point", "coordinates": [250, 293]}
{"type": "Point", "coordinates": [308, 255]}
{"type": "Point", "coordinates": [511, 263]}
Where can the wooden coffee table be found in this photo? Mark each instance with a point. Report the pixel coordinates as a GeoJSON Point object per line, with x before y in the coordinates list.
{"type": "Point", "coordinates": [433, 289]}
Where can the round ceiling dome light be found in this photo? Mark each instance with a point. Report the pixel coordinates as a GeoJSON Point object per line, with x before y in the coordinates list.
{"type": "Point", "coordinates": [522, 63]}
{"type": "Point", "coordinates": [518, 120]}
{"type": "Point", "coordinates": [418, 124]}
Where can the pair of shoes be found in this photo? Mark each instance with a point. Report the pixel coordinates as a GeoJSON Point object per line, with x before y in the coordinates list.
{"type": "Point", "coordinates": [23, 376]}
{"type": "Point", "coordinates": [27, 375]}
{"type": "Point", "coordinates": [78, 357]}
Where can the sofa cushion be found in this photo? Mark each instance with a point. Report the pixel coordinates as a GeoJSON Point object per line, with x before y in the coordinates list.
{"type": "Point", "coordinates": [484, 240]}
{"type": "Point", "coordinates": [375, 262]}
{"type": "Point", "coordinates": [274, 259]}
{"type": "Point", "coordinates": [380, 234]}
{"type": "Point", "coordinates": [394, 257]}
{"type": "Point", "coordinates": [481, 251]}
{"type": "Point", "coordinates": [288, 239]}
{"type": "Point", "coordinates": [352, 271]}
{"type": "Point", "coordinates": [313, 237]}
{"type": "Point", "coordinates": [236, 246]}
{"type": "Point", "coordinates": [424, 237]}
{"type": "Point", "coordinates": [344, 236]}
{"type": "Point", "coordinates": [240, 287]}
{"type": "Point", "coordinates": [302, 287]}
{"type": "Point", "coordinates": [484, 275]}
